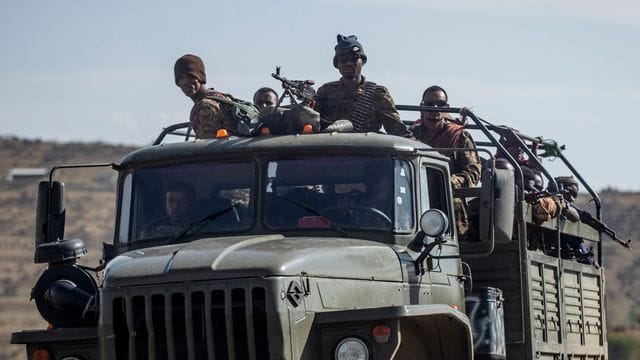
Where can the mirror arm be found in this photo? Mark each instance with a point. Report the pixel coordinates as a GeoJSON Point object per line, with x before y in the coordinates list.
{"type": "Point", "coordinates": [417, 244]}
{"type": "Point", "coordinates": [425, 254]}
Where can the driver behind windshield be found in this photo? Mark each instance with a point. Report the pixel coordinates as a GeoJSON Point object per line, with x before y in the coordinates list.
{"type": "Point", "coordinates": [179, 199]}
{"type": "Point", "coordinates": [371, 208]}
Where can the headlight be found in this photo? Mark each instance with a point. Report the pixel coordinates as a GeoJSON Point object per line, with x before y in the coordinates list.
{"type": "Point", "coordinates": [352, 349]}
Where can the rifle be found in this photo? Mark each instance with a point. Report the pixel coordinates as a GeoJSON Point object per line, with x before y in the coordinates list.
{"type": "Point", "coordinates": [587, 218]}
{"type": "Point", "coordinates": [300, 89]}
{"type": "Point", "coordinates": [533, 196]}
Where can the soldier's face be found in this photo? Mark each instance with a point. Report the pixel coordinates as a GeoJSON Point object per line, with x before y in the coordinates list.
{"type": "Point", "coordinates": [189, 84]}
{"type": "Point", "coordinates": [435, 98]}
{"type": "Point", "coordinates": [265, 99]}
{"type": "Point", "coordinates": [350, 66]}
{"type": "Point", "coordinates": [177, 204]}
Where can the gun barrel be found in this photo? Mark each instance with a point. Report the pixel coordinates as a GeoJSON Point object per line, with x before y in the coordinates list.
{"type": "Point", "coordinates": [626, 243]}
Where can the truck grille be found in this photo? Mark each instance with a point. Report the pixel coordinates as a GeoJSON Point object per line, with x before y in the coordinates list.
{"type": "Point", "coordinates": [218, 324]}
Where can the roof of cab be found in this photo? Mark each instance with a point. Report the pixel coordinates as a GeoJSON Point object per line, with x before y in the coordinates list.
{"type": "Point", "coordinates": [322, 143]}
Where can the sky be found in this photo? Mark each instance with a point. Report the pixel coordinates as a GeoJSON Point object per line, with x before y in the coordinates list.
{"type": "Point", "coordinates": [565, 70]}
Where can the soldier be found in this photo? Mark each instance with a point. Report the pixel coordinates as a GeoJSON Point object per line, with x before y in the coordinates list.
{"type": "Point", "coordinates": [440, 130]}
{"type": "Point", "coordinates": [265, 97]}
{"type": "Point", "coordinates": [573, 248]}
{"type": "Point", "coordinates": [368, 105]}
{"type": "Point", "coordinates": [209, 112]}
{"type": "Point", "coordinates": [179, 199]}
{"type": "Point", "coordinates": [570, 187]}
{"type": "Point", "coordinates": [371, 208]}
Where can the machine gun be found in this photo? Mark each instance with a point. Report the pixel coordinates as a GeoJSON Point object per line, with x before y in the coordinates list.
{"type": "Point", "coordinates": [300, 89]}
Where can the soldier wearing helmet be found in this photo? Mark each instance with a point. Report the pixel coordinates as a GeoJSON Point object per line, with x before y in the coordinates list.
{"type": "Point", "coordinates": [368, 105]}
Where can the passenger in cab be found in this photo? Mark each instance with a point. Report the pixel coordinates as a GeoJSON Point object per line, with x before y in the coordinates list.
{"type": "Point", "coordinates": [372, 206]}
{"type": "Point", "coordinates": [440, 130]}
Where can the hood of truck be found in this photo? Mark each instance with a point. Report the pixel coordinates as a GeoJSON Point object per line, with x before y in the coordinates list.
{"type": "Point", "coordinates": [255, 256]}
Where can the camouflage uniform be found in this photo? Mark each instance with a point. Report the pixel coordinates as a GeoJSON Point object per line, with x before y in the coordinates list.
{"type": "Point", "coordinates": [464, 166]}
{"type": "Point", "coordinates": [208, 116]}
{"type": "Point", "coordinates": [160, 227]}
{"type": "Point", "coordinates": [335, 100]}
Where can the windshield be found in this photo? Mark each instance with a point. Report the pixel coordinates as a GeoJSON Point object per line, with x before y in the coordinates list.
{"type": "Point", "coordinates": [350, 193]}
{"type": "Point", "coordinates": [199, 198]}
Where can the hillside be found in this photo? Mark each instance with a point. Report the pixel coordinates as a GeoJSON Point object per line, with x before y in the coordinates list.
{"type": "Point", "coordinates": [90, 214]}
{"type": "Point", "coordinates": [621, 211]}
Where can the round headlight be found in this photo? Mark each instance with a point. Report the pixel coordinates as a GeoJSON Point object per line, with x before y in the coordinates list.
{"type": "Point", "coordinates": [352, 349]}
{"type": "Point", "coordinates": [434, 222]}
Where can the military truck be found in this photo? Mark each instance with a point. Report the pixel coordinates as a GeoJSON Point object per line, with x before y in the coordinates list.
{"type": "Point", "coordinates": [317, 246]}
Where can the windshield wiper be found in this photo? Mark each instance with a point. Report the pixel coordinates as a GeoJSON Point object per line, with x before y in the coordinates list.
{"type": "Point", "coordinates": [203, 222]}
{"type": "Point", "coordinates": [329, 221]}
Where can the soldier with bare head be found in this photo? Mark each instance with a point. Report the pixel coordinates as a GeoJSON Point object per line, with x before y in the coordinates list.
{"type": "Point", "coordinates": [178, 201]}
{"type": "Point", "coordinates": [265, 97]}
{"type": "Point", "coordinates": [441, 130]}
{"type": "Point", "coordinates": [367, 105]}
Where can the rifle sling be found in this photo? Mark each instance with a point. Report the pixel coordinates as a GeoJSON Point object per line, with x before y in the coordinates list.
{"type": "Point", "coordinates": [361, 108]}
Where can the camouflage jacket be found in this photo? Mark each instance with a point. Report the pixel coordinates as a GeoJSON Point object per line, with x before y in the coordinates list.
{"type": "Point", "coordinates": [208, 116]}
{"type": "Point", "coordinates": [464, 165]}
{"type": "Point", "coordinates": [335, 100]}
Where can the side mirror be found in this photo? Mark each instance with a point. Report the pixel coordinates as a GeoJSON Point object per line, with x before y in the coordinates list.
{"type": "Point", "coordinates": [497, 205]}
{"type": "Point", "coordinates": [50, 212]}
{"type": "Point", "coordinates": [60, 251]}
{"type": "Point", "coordinates": [434, 223]}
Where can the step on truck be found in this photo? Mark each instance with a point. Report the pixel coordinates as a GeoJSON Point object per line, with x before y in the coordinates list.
{"type": "Point", "coordinates": [319, 246]}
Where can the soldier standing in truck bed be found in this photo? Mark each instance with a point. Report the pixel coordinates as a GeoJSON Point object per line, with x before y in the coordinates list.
{"type": "Point", "coordinates": [208, 115]}
{"type": "Point", "coordinates": [440, 130]}
{"type": "Point", "coordinates": [368, 105]}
